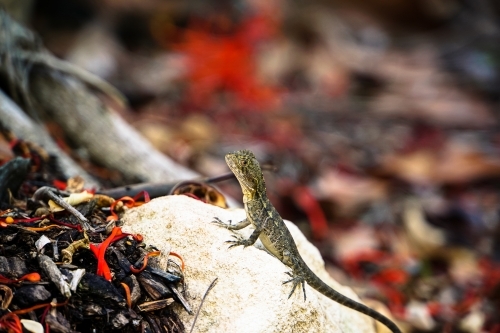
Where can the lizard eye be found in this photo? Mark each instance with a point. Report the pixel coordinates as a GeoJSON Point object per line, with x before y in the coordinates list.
{"type": "Point", "coordinates": [244, 162]}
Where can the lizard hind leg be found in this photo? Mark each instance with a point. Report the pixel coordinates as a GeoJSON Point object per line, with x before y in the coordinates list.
{"type": "Point", "coordinates": [296, 280]}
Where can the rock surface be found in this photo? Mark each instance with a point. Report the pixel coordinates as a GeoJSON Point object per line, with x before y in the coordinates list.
{"type": "Point", "coordinates": [249, 296]}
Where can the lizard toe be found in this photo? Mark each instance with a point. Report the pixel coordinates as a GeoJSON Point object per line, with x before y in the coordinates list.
{"type": "Point", "coordinates": [296, 281]}
{"type": "Point", "coordinates": [218, 222]}
{"type": "Point", "coordinates": [238, 240]}
{"type": "Point", "coordinates": [235, 244]}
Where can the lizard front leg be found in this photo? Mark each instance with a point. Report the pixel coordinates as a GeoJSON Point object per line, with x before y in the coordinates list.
{"type": "Point", "coordinates": [259, 227]}
{"type": "Point", "coordinates": [239, 240]}
{"type": "Point", "coordinates": [237, 226]}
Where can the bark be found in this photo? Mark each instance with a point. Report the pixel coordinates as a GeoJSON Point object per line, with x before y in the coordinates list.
{"type": "Point", "coordinates": [91, 124]}
{"type": "Point", "coordinates": [13, 118]}
{"type": "Point", "coordinates": [47, 88]}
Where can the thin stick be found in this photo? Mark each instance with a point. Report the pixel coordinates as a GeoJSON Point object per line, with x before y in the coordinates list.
{"type": "Point", "coordinates": [201, 304]}
{"type": "Point", "coordinates": [46, 192]}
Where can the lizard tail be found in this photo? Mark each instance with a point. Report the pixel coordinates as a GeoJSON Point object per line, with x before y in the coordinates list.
{"type": "Point", "coordinates": [326, 290]}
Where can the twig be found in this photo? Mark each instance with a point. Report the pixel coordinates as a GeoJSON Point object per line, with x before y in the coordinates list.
{"type": "Point", "coordinates": [201, 304]}
{"type": "Point", "coordinates": [156, 190]}
{"type": "Point", "coordinates": [46, 192]}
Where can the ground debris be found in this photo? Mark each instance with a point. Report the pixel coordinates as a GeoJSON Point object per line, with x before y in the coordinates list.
{"type": "Point", "coordinates": [68, 266]}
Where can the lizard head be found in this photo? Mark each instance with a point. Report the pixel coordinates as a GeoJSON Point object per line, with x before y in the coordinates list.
{"type": "Point", "coordinates": [246, 168]}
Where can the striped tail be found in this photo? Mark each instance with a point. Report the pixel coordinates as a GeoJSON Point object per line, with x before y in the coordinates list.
{"type": "Point", "coordinates": [326, 290]}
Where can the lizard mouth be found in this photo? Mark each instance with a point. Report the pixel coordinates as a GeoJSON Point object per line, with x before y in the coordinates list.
{"type": "Point", "coordinates": [230, 163]}
{"type": "Point", "coordinates": [245, 185]}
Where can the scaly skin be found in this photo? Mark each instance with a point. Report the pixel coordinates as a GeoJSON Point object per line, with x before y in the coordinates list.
{"type": "Point", "coordinates": [273, 233]}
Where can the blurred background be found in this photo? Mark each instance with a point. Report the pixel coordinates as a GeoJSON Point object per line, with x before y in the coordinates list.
{"type": "Point", "coordinates": [379, 119]}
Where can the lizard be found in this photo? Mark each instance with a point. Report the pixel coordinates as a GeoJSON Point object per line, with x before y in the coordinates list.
{"type": "Point", "coordinates": [275, 236]}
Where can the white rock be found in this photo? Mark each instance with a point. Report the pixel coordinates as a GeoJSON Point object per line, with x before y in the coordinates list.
{"type": "Point", "coordinates": [417, 313]}
{"type": "Point", "coordinates": [249, 296]}
{"type": "Point", "coordinates": [473, 322]}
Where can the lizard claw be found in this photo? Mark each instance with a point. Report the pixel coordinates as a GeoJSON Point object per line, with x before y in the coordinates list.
{"type": "Point", "coordinates": [239, 240]}
{"type": "Point", "coordinates": [296, 280]}
{"type": "Point", "coordinates": [217, 221]}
